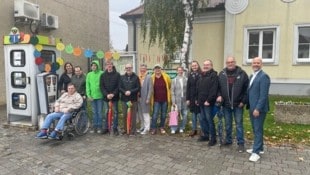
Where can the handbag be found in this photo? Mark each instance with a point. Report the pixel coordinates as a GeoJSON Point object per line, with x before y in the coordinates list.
{"type": "Point", "coordinates": [173, 116]}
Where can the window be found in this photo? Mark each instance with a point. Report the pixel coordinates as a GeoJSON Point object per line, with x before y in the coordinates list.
{"type": "Point", "coordinates": [262, 42]}
{"type": "Point", "coordinates": [302, 44]}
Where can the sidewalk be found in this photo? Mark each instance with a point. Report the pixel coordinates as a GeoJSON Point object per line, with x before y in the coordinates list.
{"type": "Point", "coordinates": [21, 153]}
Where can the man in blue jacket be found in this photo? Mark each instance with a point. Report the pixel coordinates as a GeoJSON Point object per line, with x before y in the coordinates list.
{"type": "Point", "coordinates": [258, 106]}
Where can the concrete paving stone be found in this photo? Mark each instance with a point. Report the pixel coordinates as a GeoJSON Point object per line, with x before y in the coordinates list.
{"type": "Point", "coordinates": [269, 172]}
{"type": "Point", "coordinates": [231, 169]}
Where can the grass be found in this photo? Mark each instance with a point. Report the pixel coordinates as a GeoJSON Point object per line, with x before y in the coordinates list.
{"type": "Point", "coordinates": [274, 133]}
{"type": "Point", "coordinates": [281, 133]}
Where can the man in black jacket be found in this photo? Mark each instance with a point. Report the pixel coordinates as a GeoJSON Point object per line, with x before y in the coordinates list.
{"type": "Point", "coordinates": [129, 88]}
{"type": "Point", "coordinates": [233, 84]}
{"type": "Point", "coordinates": [207, 87]}
{"type": "Point", "coordinates": [109, 85]}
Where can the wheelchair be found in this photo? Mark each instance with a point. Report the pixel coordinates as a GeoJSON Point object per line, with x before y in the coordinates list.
{"type": "Point", "coordinates": [78, 124]}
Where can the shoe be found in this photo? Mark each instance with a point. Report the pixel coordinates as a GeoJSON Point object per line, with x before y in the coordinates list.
{"type": "Point", "coordinates": [94, 130]}
{"type": "Point", "coordinates": [212, 143]}
{"type": "Point", "coordinates": [153, 132]}
{"type": "Point", "coordinates": [172, 131]}
{"type": "Point", "coordinates": [105, 131]}
{"type": "Point", "coordinates": [115, 132]}
{"type": "Point", "coordinates": [162, 131]}
{"type": "Point", "coordinates": [227, 143]}
{"type": "Point", "coordinates": [53, 135]}
{"type": "Point", "coordinates": [181, 130]}
{"type": "Point", "coordinates": [254, 157]}
{"type": "Point", "coordinates": [140, 130]}
{"type": "Point", "coordinates": [250, 151]}
{"type": "Point", "coordinates": [99, 131]}
{"type": "Point", "coordinates": [145, 131]}
{"type": "Point", "coordinates": [42, 135]}
{"type": "Point", "coordinates": [203, 139]}
{"type": "Point", "coordinates": [240, 148]}
{"type": "Point", "coordinates": [193, 133]}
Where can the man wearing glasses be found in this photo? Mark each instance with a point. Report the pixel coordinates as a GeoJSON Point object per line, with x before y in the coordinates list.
{"type": "Point", "coordinates": [129, 88]}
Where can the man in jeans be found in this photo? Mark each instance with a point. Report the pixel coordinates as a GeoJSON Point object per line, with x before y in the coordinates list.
{"type": "Point", "coordinates": [161, 98]}
{"type": "Point", "coordinates": [109, 85]}
{"type": "Point", "coordinates": [233, 84]}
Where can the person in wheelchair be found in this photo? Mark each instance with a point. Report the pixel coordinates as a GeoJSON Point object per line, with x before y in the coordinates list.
{"type": "Point", "coordinates": [67, 103]}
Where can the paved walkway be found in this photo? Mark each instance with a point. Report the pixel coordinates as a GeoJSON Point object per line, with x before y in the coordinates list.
{"type": "Point", "coordinates": [21, 153]}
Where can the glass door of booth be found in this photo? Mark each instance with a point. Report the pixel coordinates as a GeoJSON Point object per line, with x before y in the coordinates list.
{"type": "Point", "coordinates": [19, 82]}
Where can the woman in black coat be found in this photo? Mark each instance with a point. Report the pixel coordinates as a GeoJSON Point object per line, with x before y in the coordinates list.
{"type": "Point", "coordinates": [193, 77]}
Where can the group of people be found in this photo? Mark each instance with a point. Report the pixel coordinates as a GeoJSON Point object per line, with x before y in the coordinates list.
{"type": "Point", "coordinates": [199, 92]}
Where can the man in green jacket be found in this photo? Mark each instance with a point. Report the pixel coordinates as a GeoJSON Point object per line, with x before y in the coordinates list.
{"type": "Point", "coordinates": [95, 96]}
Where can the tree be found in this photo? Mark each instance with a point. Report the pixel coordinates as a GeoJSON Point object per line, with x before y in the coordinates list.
{"type": "Point", "coordinates": [169, 23]}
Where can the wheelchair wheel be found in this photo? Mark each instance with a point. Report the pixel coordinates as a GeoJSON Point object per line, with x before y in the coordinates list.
{"type": "Point", "coordinates": [81, 123]}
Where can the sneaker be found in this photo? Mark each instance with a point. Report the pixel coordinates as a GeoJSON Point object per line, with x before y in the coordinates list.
{"type": "Point", "coordinates": [254, 157]}
{"type": "Point", "coordinates": [227, 143]}
{"type": "Point", "coordinates": [145, 131]}
{"type": "Point", "coordinates": [105, 131]}
{"type": "Point", "coordinates": [250, 151]}
{"type": "Point", "coordinates": [212, 143]}
{"type": "Point", "coordinates": [115, 132]}
{"type": "Point", "coordinates": [193, 133]}
{"type": "Point", "coordinates": [42, 135]}
{"type": "Point", "coordinates": [99, 131]}
{"type": "Point", "coordinates": [172, 131]}
{"type": "Point", "coordinates": [94, 130]}
{"type": "Point", "coordinates": [153, 132]}
{"type": "Point", "coordinates": [203, 139]}
{"type": "Point", "coordinates": [162, 131]}
{"type": "Point", "coordinates": [140, 130]}
{"type": "Point", "coordinates": [54, 135]}
{"type": "Point", "coordinates": [181, 130]}
{"type": "Point", "coordinates": [240, 148]}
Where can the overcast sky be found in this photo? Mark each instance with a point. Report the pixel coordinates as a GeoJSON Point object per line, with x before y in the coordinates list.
{"type": "Point", "coordinates": [118, 27]}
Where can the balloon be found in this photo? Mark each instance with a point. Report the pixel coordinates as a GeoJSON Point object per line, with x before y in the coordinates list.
{"type": "Point", "coordinates": [116, 55]}
{"type": "Point", "coordinates": [55, 67]}
{"type": "Point", "coordinates": [100, 54]}
{"type": "Point", "coordinates": [34, 40]}
{"type": "Point", "coordinates": [77, 51]}
{"type": "Point", "coordinates": [39, 47]}
{"type": "Point", "coordinates": [41, 67]}
{"type": "Point", "coordinates": [69, 49]}
{"type": "Point", "coordinates": [60, 46]}
{"type": "Point", "coordinates": [60, 61]}
{"type": "Point", "coordinates": [36, 53]}
{"type": "Point", "coordinates": [88, 53]}
{"type": "Point", "coordinates": [108, 55]}
{"type": "Point", "coordinates": [47, 68]}
{"type": "Point", "coordinates": [39, 61]}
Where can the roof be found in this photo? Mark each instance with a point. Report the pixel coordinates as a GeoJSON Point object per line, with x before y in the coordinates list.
{"type": "Point", "coordinates": [136, 12]}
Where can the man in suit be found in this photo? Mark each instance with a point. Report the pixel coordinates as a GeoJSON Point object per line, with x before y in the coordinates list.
{"type": "Point", "coordinates": [258, 106]}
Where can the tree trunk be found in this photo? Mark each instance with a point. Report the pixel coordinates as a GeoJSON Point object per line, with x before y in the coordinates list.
{"type": "Point", "coordinates": [189, 17]}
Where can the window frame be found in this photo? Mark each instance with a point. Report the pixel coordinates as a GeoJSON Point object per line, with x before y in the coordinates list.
{"type": "Point", "coordinates": [297, 60]}
{"type": "Point", "coordinates": [276, 42]}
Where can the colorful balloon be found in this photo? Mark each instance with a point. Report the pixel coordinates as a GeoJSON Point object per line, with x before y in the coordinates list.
{"type": "Point", "coordinates": [88, 53]}
{"type": "Point", "coordinates": [36, 53]}
{"type": "Point", "coordinates": [116, 56]}
{"type": "Point", "coordinates": [77, 51]}
{"type": "Point", "coordinates": [39, 47]}
{"type": "Point", "coordinates": [60, 61]}
{"type": "Point", "coordinates": [100, 54]}
{"type": "Point", "coordinates": [69, 49]}
{"type": "Point", "coordinates": [60, 46]}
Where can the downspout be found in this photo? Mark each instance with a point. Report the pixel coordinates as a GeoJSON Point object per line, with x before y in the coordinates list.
{"type": "Point", "coordinates": [135, 42]}
{"type": "Point", "coordinates": [134, 34]}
